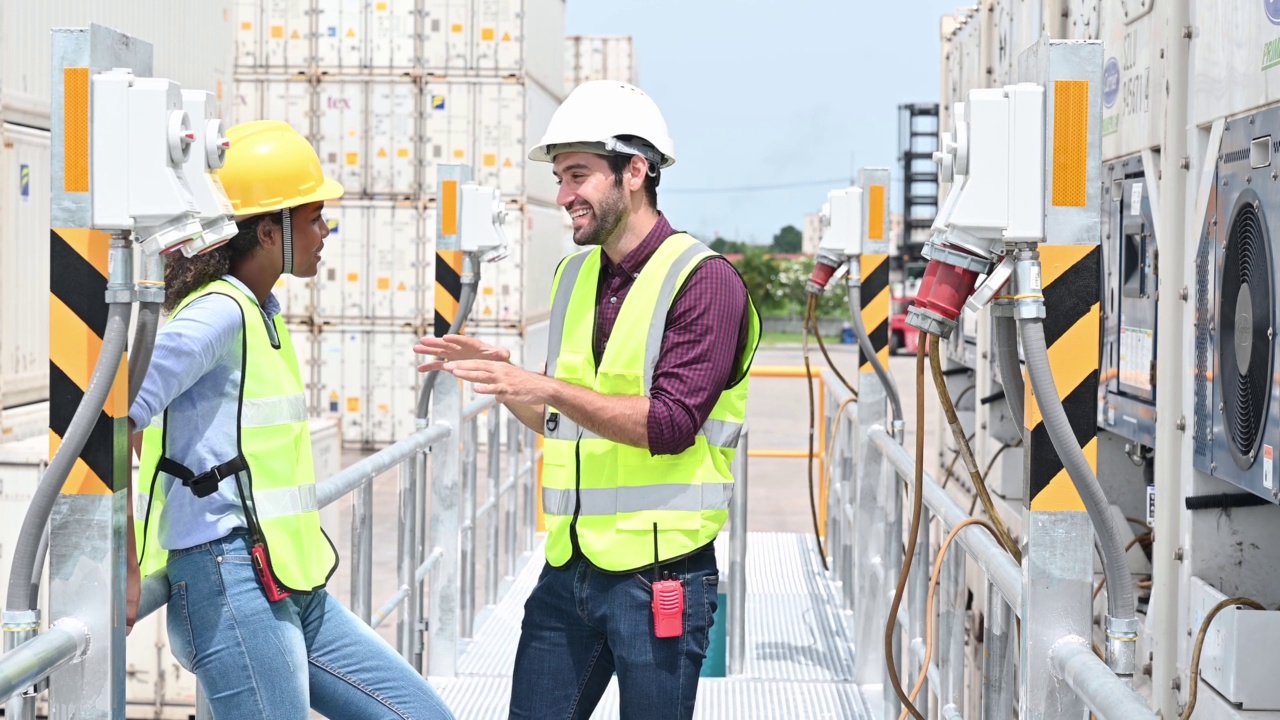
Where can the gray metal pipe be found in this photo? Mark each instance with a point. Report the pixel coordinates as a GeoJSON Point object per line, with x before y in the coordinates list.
{"type": "Point", "coordinates": [144, 343]}
{"type": "Point", "coordinates": [1104, 692]}
{"type": "Point", "coordinates": [989, 554]}
{"type": "Point", "coordinates": [530, 483]}
{"type": "Point", "coordinates": [1005, 330]}
{"type": "Point", "coordinates": [737, 618]}
{"type": "Point", "coordinates": [917, 601]}
{"type": "Point", "coordinates": [364, 471]}
{"type": "Point", "coordinates": [36, 659]}
{"type": "Point", "coordinates": [1115, 562]}
{"type": "Point", "coordinates": [86, 416]}
{"type": "Point", "coordinates": [854, 287]}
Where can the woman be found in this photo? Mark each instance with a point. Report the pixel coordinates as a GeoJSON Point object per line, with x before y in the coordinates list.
{"type": "Point", "coordinates": [226, 492]}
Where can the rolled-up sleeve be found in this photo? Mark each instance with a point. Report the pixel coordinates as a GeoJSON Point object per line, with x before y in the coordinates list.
{"type": "Point", "coordinates": [704, 334]}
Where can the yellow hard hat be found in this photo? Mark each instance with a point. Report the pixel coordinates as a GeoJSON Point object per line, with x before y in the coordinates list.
{"type": "Point", "coordinates": [270, 166]}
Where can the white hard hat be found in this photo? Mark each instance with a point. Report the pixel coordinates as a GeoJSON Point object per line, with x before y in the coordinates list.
{"type": "Point", "coordinates": [596, 114]}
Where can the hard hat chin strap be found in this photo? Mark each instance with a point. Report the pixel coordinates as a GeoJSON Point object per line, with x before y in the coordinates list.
{"type": "Point", "coordinates": [286, 244]}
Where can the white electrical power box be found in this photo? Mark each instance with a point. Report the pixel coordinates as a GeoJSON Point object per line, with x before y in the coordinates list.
{"type": "Point", "coordinates": [841, 235]}
{"type": "Point", "coordinates": [141, 132]}
{"type": "Point", "coordinates": [482, 215]}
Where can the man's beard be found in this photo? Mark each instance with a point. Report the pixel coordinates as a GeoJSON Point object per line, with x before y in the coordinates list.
{"type": "Point", "coordinates": [604, 221]}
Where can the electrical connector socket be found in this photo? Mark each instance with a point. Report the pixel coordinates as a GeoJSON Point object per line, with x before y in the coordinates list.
{"type": "Point", "coordinates": [217, 218]}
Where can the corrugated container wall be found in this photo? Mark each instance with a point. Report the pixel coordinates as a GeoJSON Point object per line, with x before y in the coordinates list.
{"type": "Point", "coordinates": [456, 38]}
{"type": "Point", "coordinates": [193, 44]}
{"type": "Point", "coordinates": [588, 57]}
{"type": "Point", "coordinates": [24, 265]}
{"type": "Point", "coordinates": [1230, 77]}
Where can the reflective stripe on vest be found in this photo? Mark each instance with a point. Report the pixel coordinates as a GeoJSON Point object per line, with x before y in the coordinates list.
{"type": "Point", "coordinates": [278, 489]}
{"type": "Point", "coordinates": [596, 483]}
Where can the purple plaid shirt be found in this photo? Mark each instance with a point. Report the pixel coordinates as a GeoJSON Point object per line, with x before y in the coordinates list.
{"type": "Point", "coordinates": [706, 331]}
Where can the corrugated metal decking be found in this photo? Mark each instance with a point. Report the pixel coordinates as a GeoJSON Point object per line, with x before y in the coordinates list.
{"type": "Point", "coordinates": [798, 656]}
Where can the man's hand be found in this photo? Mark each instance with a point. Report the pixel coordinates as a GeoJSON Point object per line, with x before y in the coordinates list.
{"type": "Point", "coordinates": [453, 348]}
{"type": "Point", "coordinates": [509, 383]}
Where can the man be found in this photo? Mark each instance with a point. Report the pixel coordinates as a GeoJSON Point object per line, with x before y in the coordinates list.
{"type": "Point", "coordinates": [641, 404]}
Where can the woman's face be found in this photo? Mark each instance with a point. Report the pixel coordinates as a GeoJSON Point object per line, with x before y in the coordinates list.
{"type": "Point", "coordinates": [309, 232]}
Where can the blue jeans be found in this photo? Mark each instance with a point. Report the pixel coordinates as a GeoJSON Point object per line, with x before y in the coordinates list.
{"type": "Point", "coordinates": [582, 625]}
{"type": "Point", "coordinates": [255, 659]}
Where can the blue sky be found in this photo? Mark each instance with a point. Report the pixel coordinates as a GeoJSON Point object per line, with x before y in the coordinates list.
{"type": "Point", "coordinates": [766, 93]}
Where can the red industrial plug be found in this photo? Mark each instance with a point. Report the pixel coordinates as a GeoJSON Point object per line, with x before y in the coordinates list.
{"type": "Point", "coordinates": [948, 281]}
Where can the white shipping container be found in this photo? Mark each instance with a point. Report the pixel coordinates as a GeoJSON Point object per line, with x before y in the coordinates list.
{"type": "Point", "coordinates": [1132, 78]}
{"type": "Point", "coordinates": [588, 57]}
{"type": "Point", "coordinates": [24, 265]}
{"type": "Point", "coordinates": [285, 99]}
{"type": "Point", "coordinates": [1235, 52]}
{"type": "Point", "coordinates": [516, 292]}
{"type": "Point", "coordinates": [375, 263]}
{"type": "Point", "coordinates": [367, 136]}
{"type": "Point", "coordinates": [490, 126]}
{"type": "Point", "coordinates": [495, 37]}
{"type": "Point", "coordinates": [192, 41]}
{"type": "Point", "coordinates": [487, 38]}
{"type": "Point", "coordinates": [367, 376]}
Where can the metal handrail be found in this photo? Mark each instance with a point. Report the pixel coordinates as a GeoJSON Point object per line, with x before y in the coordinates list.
{"type": "Point", "coordinates": [36, 659]}
{"type": "Point", "coordinates": [867, 447]}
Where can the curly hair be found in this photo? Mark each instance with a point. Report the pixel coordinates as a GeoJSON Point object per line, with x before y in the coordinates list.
{"type": "Point", "coordinates": [184, 275]}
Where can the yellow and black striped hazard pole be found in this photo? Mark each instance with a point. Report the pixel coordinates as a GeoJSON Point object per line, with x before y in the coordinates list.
{"type": "Point", "coordinates": [88, 269]}
{"type": "Point", "coordinates": [78, 324]}
{"type": "Point", "coordinates": [1059, 548]}
{"type": "Point", "coordinates": [875, 264]}
{"type": "Point", "coordinates": [448, 251]}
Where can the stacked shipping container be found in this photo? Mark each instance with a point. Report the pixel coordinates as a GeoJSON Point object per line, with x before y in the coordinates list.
{"type": "Point", "coordinates": [598, 58]}
{"type": "Point", "coordinates": [387, 91]}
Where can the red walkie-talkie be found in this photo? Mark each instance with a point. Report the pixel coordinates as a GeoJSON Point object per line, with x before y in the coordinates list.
{"type": "Point", "coordinates": [668, 600]}
{"type": "Point", "coordinates": [262, 564]}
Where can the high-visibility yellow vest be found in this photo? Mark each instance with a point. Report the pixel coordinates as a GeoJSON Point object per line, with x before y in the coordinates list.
{"type": "Point", "coordinates": [275, 444]}
{"type": "Point", "coordinates": [619, 492]}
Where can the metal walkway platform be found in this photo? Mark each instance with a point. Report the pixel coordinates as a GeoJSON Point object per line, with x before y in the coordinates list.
{"type": "Point", "coordinates": [798, 664]}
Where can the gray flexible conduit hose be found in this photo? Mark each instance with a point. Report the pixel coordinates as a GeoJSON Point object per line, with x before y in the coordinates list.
{"type": "Point", "coordinates": [1115, 562]}
{"type": "Point", "coordinates": [104, 375]}
{"type": "Point", "coordinates": [41, 553]}
{"type": "Point", "coordinates": [864, 342]}
{"type": "Point", "coordinates": [144, 342]}
{"type": "Point", "coordinates": [1006, 337]}
{"type": "Point", "coordinates": [466, 299]}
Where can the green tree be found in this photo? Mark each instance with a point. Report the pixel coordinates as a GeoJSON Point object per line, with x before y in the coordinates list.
{"type": "Point", "coordinates": [728, 247]}
{"type": "Point", "coordinates": [789, 240]}
{"type": "Point", "coordinates": [762, 276]}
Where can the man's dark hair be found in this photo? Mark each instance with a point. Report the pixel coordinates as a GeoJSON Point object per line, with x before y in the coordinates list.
{"type": "Point", "coordinates": [618, 164]}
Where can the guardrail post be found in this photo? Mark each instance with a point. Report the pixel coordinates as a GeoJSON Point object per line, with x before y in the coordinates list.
{"type": "Point", "coordinates": [917, 596]}
{"type": "Point", "coordinates": [871, 563]}
{"type": "Point", "coordinates": [514, 431]}
{"type": "Point", "coordinates": [493, 518]}
{"type": "Point", "coordinates": [406, 548]}
{"type": "Point", "coordinates": [997, 671]}
{"type": "Point", "coordinates": [737, 619]}
{"type": "Point", "coordinates": [467, 558]}
{"type": "Point", "coordinates": [362, 552]}
{"type": "Point", "coordinates": [530, 489]}
{"type": "Point", "coordinates": [446, 482]}
{"type": "Point", "coordinates": [417, 597]}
